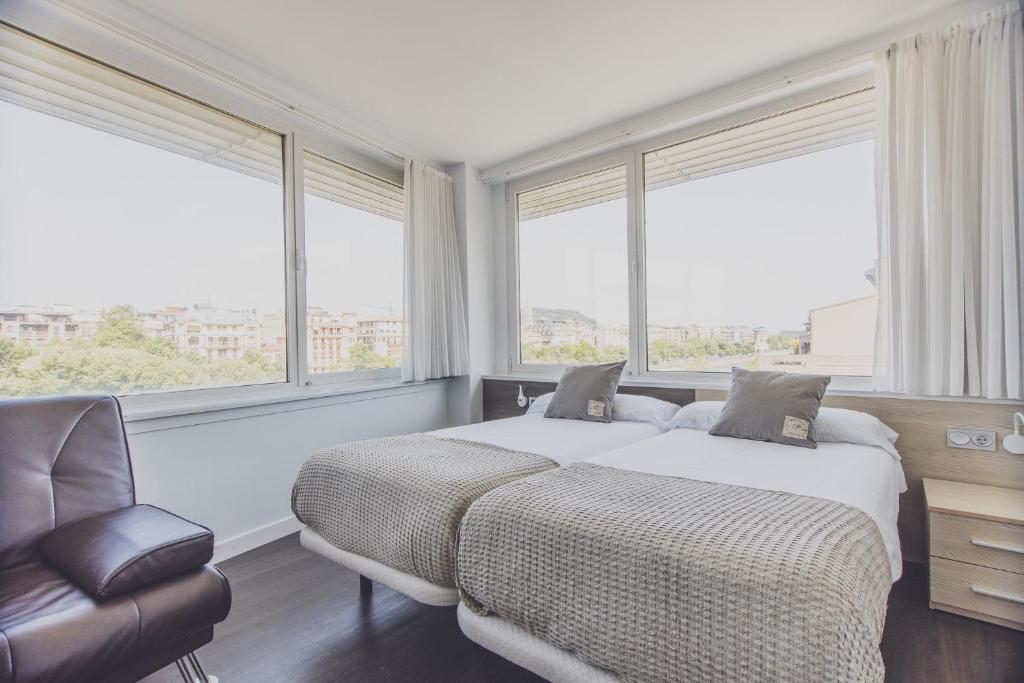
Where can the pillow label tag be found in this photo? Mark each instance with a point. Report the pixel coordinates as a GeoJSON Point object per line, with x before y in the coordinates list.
{"type": "Point", "coordinates": [795, 428]}
{"type": "Point", "coordinates": [595, 408]}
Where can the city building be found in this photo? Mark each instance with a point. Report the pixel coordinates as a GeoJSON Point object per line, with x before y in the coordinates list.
{"type": "Point", "coordinates": [214, 333]}
{"type": "Point", "coordinates": [329, 338]}
{"type": "Point", "coordinates": [40, 325]}
{"type": "Point", "coordinates": [382, 334]}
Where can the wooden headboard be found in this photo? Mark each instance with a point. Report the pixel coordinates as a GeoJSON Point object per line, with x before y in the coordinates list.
{"type": "Point", "coordinates": [922, 444]}
{"type": "Point", "coordinates": [500, 395]}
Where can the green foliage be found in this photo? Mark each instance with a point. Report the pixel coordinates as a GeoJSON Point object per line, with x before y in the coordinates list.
{"type": "Point", "coordinates": [783, 342]}
{"type": "Point", "coordinates": [121, 328]}
{"type": "Point", "coordinates": [11, 356]}
{"type": "Point", "coordinates": [360, 357]}
{"type": "Point", "coordinates": [695, 352]}
{"type": "Point", "coordinates": [689, 353]}
{"type": "Point", "coordinates": [580, 353]}
{"type": "Point", "coordinates": [122, 359]}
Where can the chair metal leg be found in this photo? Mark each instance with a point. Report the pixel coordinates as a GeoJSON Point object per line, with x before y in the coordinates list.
{"type": "Point", "coordinates": [192, 671]}
{"type": "Point", "coordinates": [365, 585]}
{"type": "Point", "coordinates": [180, 663]}
{"type": "Point", "coordinates": [198, 668]}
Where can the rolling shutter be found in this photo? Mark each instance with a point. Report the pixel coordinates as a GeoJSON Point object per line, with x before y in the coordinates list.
{"type": "Point", "coordinates": [810, 128]}
{"type": "Point", "coordinates": [40, 76]}
{"type": "Point", "coordinates": [574, 193]}
{"type": "Point", "coordinates": [830, 123]}
{"type": "Point", "coordinates": [329, 179]}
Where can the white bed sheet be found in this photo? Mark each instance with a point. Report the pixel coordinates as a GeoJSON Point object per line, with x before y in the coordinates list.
{"type": "Point", "coordinates": [564, 441]}
{"type": "Point", "coordinates": [865, 477]}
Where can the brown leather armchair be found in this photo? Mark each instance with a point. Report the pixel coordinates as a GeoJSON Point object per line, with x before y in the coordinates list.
{"type": "Point", "coordinates": [92, 586]}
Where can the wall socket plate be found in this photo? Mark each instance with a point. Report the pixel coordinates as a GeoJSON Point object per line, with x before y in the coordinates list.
{"type": "Point", "coordinates": [974, 439]}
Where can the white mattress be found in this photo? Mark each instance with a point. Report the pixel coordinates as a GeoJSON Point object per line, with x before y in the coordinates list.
{"type": "Point", "coordinates": [865, 477]}
{"type": "Point", "coordinates": [564, 441]}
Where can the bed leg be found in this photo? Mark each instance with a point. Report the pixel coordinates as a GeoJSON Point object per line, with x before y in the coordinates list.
{"type": "Point", "coordinates": [365, 585]}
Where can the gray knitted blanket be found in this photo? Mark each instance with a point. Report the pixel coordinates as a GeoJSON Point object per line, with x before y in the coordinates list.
{"type": "Point", "coordinates": [399, 500]}
{"type": "Point", "coordinates": [660, 578]}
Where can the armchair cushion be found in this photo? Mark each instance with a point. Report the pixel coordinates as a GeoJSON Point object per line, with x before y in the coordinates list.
{"type": "Point", "coordinates": [120, 551]}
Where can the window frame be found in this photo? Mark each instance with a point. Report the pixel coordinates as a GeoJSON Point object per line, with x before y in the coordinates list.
{"type": "Point", "coordinates": [512, 191]}
{"type": "Point", "coordinates": [295, 136]}
{"type": "Point", "coordinates": [307, 378]}
{"type": "Point", "coordinates": [633, 157]}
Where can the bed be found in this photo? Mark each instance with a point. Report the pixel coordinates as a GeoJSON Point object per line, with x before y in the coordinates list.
{"type": "Point", "coordinates": [689, 557]}
{"type": "Point", "coordinates": [390, 508]}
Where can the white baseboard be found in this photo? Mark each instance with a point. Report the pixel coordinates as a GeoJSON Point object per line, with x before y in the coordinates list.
{"type": "Point", "coordinates": [236, 545]}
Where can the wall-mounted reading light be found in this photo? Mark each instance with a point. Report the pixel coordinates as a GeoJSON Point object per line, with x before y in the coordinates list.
{"type": "Point", "coordinates": [1014, 443]}
{"type": "Point", "coordinates": [521, 400]}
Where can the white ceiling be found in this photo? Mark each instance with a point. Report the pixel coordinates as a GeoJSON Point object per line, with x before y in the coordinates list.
{"type": "Point", "coordinates": [483, 81]}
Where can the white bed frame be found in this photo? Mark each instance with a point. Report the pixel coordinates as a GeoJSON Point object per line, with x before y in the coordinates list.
{"type": "Point", "coordinates": [416, 588]}
{"type": "Point", "coordinates": [521, 647]}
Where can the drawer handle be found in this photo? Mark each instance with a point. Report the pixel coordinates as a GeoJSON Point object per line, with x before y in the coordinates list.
{"type": "Point", "coordinates": [997, 594]}
{"type": "Point", "coordinates": [998, 546]}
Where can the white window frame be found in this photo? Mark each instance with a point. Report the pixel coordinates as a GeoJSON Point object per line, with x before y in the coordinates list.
{"type": "Point", "coordinates": [633, 158]}
{"type": "Point", "coordinates": [296, 135]}
{"type": "Point", "coordinates": [512, 192]}
{"type": "Point", "coordinates": [307, 378]}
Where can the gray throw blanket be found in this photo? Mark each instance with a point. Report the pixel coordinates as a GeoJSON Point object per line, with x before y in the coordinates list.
{"type": "Point", "coordinates": [399, 500]}
{"type": "Point", "coordinates": [660, 578]}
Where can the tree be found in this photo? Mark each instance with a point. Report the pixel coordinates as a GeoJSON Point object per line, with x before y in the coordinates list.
{"type": "Point", "coordinates": [579, 353]}
{"type": "Point", "coordinates": [11, 356]}
{"type": "Point", "coordinates": [361, 357]}
{"type": "Point", "coordinates": [121, 327]}
{"type": "Point", "coordinates": [123, 359]}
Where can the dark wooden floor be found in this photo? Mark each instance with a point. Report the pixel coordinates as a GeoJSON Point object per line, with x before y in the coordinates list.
{"type": "Point", "coordinates": [299, 618]}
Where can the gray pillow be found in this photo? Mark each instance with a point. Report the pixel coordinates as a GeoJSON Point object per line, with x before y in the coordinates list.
{"type": "Point", "coordinates": [772, 406]}
{"type": "Point", "coordinates": [586, 393]}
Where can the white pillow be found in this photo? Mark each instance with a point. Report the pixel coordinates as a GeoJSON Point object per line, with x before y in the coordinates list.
{"type": "Point", "coordinates": [625, 408]}
{"type": "Point", "coordinates": [540, 404]}
{"type": "Point", "coordinates": [836, 425]}
{"type": "Point", "coordinates": [699, 415]}
{"type": "Point", "coordinates": [852, 426]}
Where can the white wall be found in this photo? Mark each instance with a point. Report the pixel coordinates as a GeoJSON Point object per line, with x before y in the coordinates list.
{"type": "Point", "coordinates": [475, 230]}
{"type": "Point", "coordinates": [233, 470]}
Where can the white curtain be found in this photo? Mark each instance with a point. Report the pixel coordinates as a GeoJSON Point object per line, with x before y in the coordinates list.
{"type": "Point", "coordinates": [950, 189]}
{"type": "Point", "coordinates": [435, 316]}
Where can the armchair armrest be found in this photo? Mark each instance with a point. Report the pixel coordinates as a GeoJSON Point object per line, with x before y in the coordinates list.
{"type": "Point", "coordinates": [120, 551]}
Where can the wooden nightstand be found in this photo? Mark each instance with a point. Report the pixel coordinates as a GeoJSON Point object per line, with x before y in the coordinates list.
{"type": "Point", "coordinates": [976, 551]}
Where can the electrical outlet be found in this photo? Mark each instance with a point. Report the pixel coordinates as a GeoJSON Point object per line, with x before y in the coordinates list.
{"type": "Point", "coordinates": [974, 439]}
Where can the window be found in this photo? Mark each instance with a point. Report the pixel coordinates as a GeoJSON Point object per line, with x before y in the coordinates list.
{"type": "Point", "coordinates": [755, 246]}
{"type": "Point", "coordinates": [354, 271]}
{"type": "Point", "coordinates": [572, 259]}
{"type": "Point", "coordinates": [142, 233]}
{"type": "Point", "coordinates": [760, 245]}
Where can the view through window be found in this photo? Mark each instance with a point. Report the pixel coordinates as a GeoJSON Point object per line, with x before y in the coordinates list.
{"type": "Point", "coordinates": [142, 235]}
{"type": "Point", "coordinates": [767, 267]}
{"type": "Point", "coordinates": [573, 281]}
{"type": "Point", "coordinates": [354, 271]}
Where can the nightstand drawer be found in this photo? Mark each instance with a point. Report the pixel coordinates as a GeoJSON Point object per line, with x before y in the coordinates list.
{"type": "Point", "coordinates": [977, 589]}
{"type": "Point", "coordinates": [977, 541]}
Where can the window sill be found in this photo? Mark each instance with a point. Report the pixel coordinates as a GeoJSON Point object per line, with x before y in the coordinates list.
{"type": "Point", "coordinates": [155, 412]}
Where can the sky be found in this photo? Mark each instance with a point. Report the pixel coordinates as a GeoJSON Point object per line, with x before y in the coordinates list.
{"type": "Point", "coordinates": [93, 220]}
{"type": "Point", "coordinates": [757, 247]}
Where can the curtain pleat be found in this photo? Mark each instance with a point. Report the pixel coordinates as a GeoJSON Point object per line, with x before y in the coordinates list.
{"type": "Point", "coordinates": [436, 343]}
{"type": "Point", "coordinates": [950, 204]}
